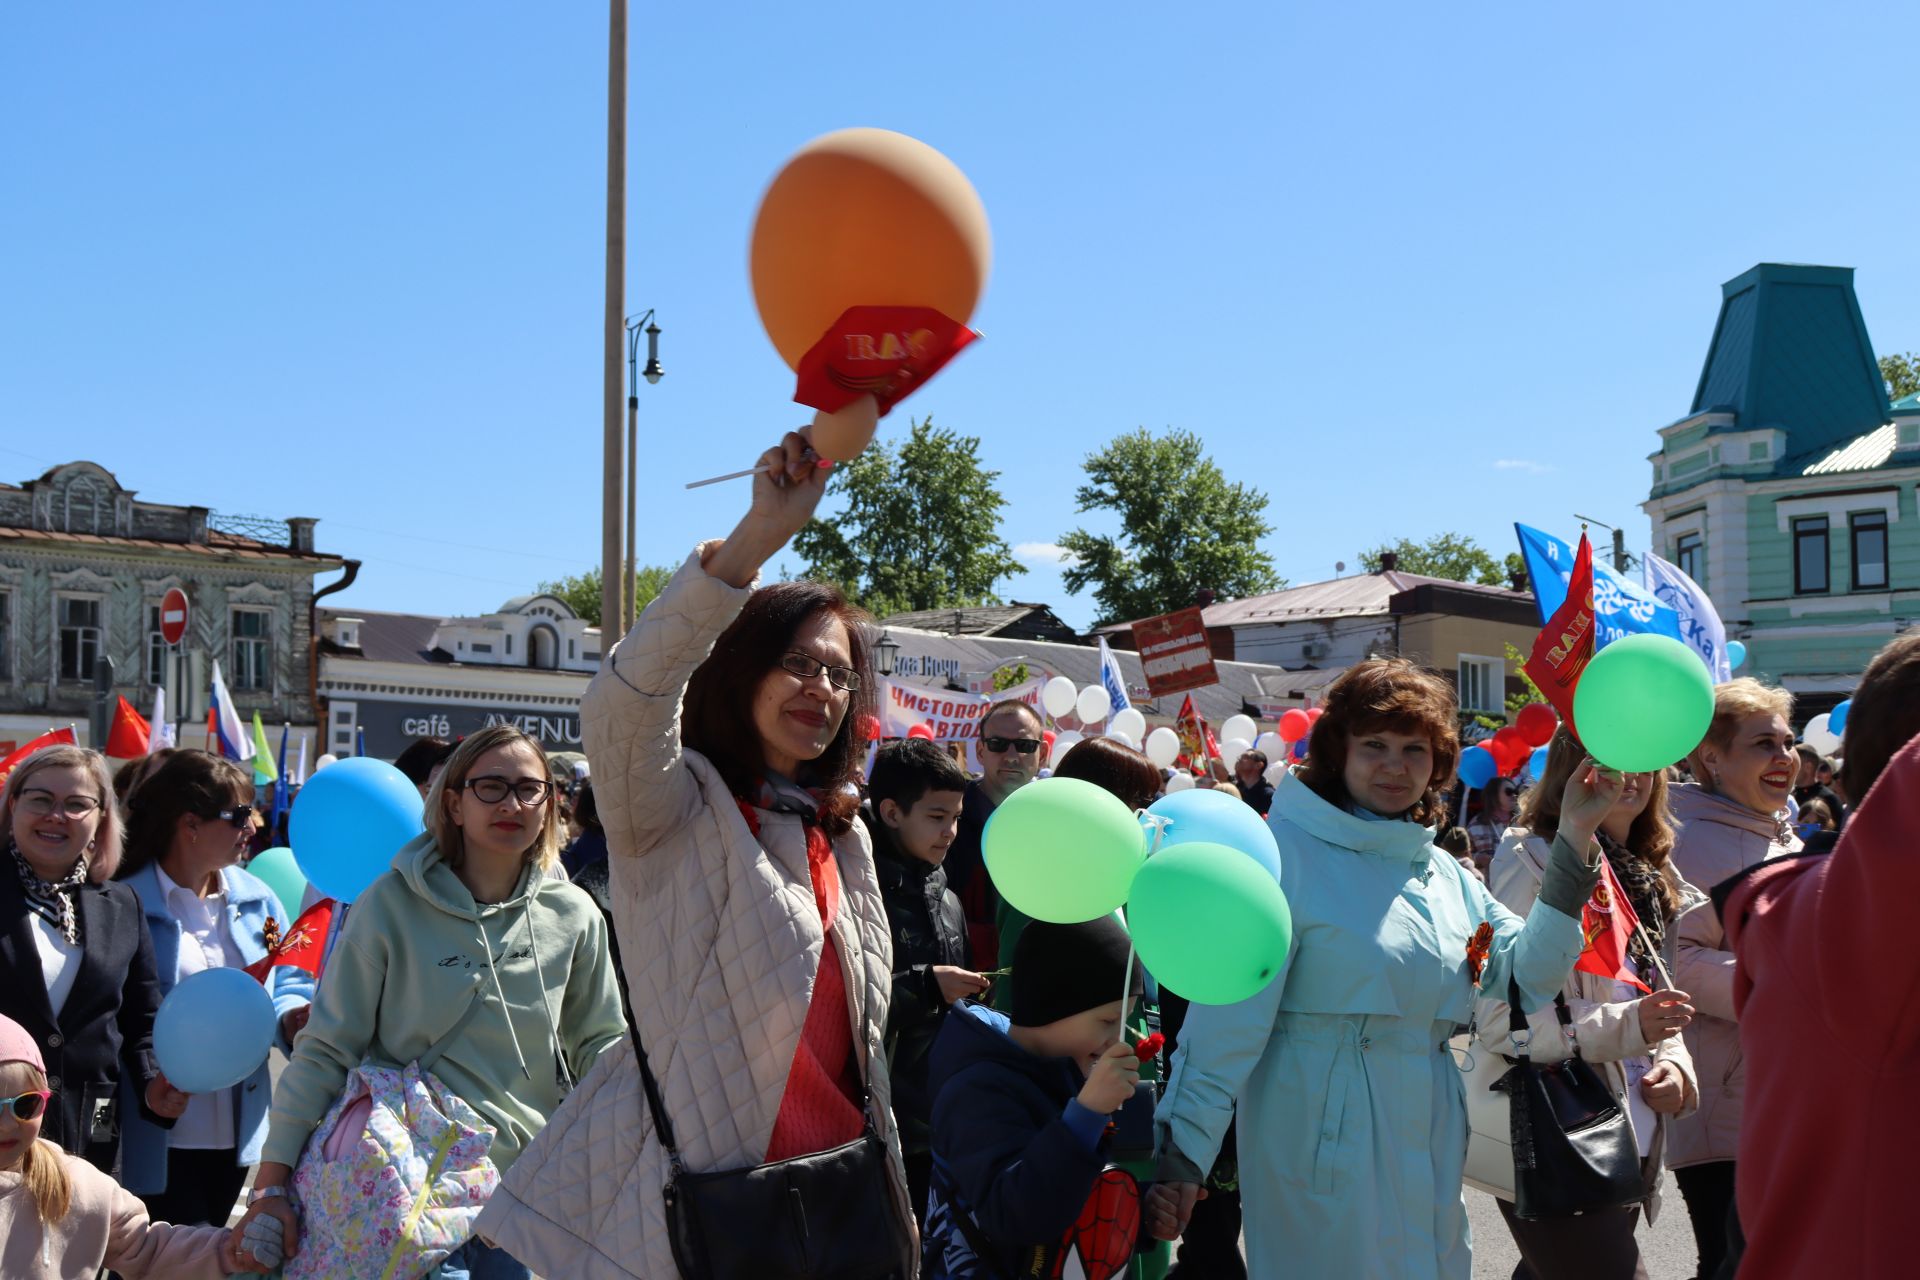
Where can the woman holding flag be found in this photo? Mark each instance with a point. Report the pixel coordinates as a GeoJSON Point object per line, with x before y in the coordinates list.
{"type": "Point", "coordinates": [1623, 1015]}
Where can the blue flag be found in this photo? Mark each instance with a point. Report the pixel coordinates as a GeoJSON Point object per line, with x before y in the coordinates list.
{"type": "Point", "coordinates": [279, 786]}
{"type": "Point", "coordinates": [1111, 679]}
{"type": "Point", "coordinates": [1622, 607]}
{"type": "Point", "coordinates": [359, 742]}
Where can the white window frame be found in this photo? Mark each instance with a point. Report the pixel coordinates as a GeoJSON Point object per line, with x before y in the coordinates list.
{"type": "Point", "coordinates": [240, 675]}
{"type": "Point", "coordinates": [1494, 675]}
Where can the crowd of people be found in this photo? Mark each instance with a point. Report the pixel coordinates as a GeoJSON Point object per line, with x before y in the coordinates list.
{"type": "Point", "coordinates": [749, 941]}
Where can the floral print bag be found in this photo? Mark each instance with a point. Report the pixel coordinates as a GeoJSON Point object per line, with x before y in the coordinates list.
{"type": "Point", "coordinates": [392, 1179]}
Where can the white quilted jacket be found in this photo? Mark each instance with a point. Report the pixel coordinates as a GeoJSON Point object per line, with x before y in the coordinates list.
{"type": "Point", "coordinates": [721, 939]}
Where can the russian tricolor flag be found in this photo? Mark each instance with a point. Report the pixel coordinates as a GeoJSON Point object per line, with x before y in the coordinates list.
{"type": "Point", "coordinates": [224, 724]}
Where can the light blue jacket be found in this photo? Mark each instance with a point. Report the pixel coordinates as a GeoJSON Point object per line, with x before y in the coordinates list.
{"type": "Point", "coordinates": [249, 903]}
{"type": "Point", "coordinates": [1353, 1128]}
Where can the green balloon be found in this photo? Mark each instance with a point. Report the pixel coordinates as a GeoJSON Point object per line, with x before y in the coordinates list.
{"type": "Point", "coordinates": [1644, 702]}
{"type": "Point", "coordinates": [1063, 850]}
{"type": "Point", "coordinates": [277, 867]}
{"type": "Point", "coordinates": [1209, 922]}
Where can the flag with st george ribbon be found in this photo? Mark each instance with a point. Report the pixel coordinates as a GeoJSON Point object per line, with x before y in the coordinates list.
{"type": "Point", "coordinates": [1622, 607]}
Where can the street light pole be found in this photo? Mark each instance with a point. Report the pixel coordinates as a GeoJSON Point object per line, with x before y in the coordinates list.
{"type": "Point", "coordinates": [653, 375]}
{"type": "Point", "coordinates": [612, 588]}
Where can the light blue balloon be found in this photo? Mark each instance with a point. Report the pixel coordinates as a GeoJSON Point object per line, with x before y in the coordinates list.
{"type": "Point", "coordinates": [1837, 718]}
{"type": "Point", "coordinates": [213, 1030]}
{"type": "Point", "coordinates": [349, 821]}
{"type": "Point", "coordinates": [1537, 764]}
{"type": "Point", "coordinates": [1201, 816]}
{"type": "Point", "coordinates": [1736, 654]}
{"type": "Point", "coordinates": [1477, 767]}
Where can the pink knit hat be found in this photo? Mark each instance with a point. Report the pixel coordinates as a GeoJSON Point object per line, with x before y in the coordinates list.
{"type": "Point", "coordinates": [18, 1046]}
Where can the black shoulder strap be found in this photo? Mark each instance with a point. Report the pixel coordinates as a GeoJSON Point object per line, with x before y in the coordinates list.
{"type": "Point", "coordinates": [983, 1250]}
{"type": "Point", "coordinates": [661, 1125]}
{"type": "Point", "coordinates": [1517, 1017]}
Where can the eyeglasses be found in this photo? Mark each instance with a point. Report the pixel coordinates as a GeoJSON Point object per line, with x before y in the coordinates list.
{"type": "Point", "coordinates": [492, 790]}
{"type": "Point", "coordinates": [1025, 746]}
{"type": "Point", "coordinates": [240, 815]}
{"type": "Point", "coordinates": [27, 1106]}
{"type": "Point", "coordinates": [806, 666]}
{"type": "Point", "coordinates": [41, 804]}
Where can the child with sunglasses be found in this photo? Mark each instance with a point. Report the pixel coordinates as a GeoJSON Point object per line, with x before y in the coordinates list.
{"type": "Point", "coordinates": [62, 1219]}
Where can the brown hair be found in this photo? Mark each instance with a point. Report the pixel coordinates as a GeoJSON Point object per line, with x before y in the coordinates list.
{"type": "Point", "coordinates": [1884, 717]}
{"type": "Point", "coordinates": [127, 779]}
{"type": "Point", "coordinates": [1650, 838]}
{"type": "Point", "coordinates": [43, 1169]}
{"type": "Point", "coordinates": [717, 719]}
{"type": "Point", "coordinates": [188, 782]}
{"type": "Point", "coordinates": [1456, 841]}
{"type": "Point", "coordinates": [446, 833]}
{"type": "Point", "coordinates": [1816, 812]}
{"type": "Point", "coordinates": [1733, 702]}
{"type": "Point", "coordinates": [1013, 704]}
{"type": "Point", "coordinates": [1385, 693]}
{"type": "Point", "coordinates": [1114, 767]}
{"type": "Point", "coordinates": [104, 858]}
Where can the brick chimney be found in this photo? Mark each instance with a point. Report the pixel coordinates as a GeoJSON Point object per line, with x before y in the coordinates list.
{"type": "Point", "coordinates": [1389, 561]}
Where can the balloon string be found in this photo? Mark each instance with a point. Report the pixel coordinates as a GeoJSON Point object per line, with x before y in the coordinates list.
{"type": "Point", "coordinates": [1160, 822]}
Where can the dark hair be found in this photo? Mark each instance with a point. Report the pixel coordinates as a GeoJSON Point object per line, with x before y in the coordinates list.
{"type": "Point", "coordinates": [717, 720]}
{"type": "Point", "coordinates": [1807, 753]}
{"type": "Point", "coordinates": [1385, 693]}
{"type": "Point", "coordinates": [420, 757]}
{"type": "Point", "coordinates": [188, 782]}
{"type": "Point", "coordinates": [1884, 717]}
{"type": "Point", "coordinates": [1012, 704]}
{"type": "Point", "coordinates": [130, 775]}
{"type": "Point", "coordinates": [1114, 767]}
{"type": "Point", "coordinates": [1256, 755]}
{"type": "Point", "coordinates": [906, 770]}
{"type": "Point", "coordinates": [1817, 812]}
{"type": "Point", "coordinates": [585, 809]}
{"type": "Point", "coordinates": [1456, 841]}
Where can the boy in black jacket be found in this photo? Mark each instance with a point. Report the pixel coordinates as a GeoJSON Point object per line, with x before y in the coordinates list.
{"type": "Point", "coordinates": [1021, 1114]}
{"type": "Point", "coordinates": [915, 794]}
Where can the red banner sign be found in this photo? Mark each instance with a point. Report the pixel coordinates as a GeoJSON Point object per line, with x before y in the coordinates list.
{"type": "Point", "coordinates": [883, 352]}
{"type": "Point", "coordinates": [1174, 652]}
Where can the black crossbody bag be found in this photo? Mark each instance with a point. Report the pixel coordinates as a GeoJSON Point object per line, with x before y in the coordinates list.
{"type": "Point", "coordinates": [824, 1216]}
{"type": "Point", "coordinates": [1573, 1146]}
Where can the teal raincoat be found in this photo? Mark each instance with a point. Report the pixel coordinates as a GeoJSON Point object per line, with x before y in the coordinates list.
{"type": "Point", "coordinates": [1353, 1127]}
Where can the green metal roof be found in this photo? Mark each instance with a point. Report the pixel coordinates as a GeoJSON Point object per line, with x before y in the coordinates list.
{"type": "Point", "coordinates": [1907, 404]}
{"type": "Point", "coordinates": [1790, 350]}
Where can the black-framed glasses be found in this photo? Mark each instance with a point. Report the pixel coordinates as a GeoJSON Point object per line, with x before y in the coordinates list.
{"type": "Point", "coordinates": [492, 789]}
{"type": "Point", "coordinates": [28, 1105]}
{"type": "Point", "coordinates": [1025, 746]}
{"type": "Point", "coordinates": [806, 666]}
{"type": "Point", "coordinates": [41, 804]}
{"type": "Point", "coordinates": [239, 815]}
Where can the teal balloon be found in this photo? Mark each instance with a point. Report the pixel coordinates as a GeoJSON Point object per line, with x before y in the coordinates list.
{"type": "Point", "coordinates": [282, 875]}
{"type": "Point", "coordinates": [1837, 718]}
{"type": "Point", "coordinates": [349, 820]}
{"type": "Point", "coordinates": [1063, 850]}
{"type": "Point", "coordinates": [1209, 923]}
{"type": "Point", "coordinates": [213, 1030]}
{"type": "Point", "coordinates": [1736, 654]}
{"type": "Point", "coordinates": [1214, 817]}
{"type": "Point", "coordinates": [1643, 702]}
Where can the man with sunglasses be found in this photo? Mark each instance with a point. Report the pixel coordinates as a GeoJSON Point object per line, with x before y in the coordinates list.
{"type": "Point", "coordinates": [1009, 750]}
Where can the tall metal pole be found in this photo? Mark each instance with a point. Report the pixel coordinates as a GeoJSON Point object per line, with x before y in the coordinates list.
{"type": "Point", "coordinates": [612, 559]}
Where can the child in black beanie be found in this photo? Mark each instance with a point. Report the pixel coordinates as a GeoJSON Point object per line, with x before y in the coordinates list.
{"type": "Point", "coordinates": [1021, 1111]}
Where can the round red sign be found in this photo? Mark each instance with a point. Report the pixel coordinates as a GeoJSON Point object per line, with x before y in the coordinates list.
{"type": "Point", "coordinates": [173, 616]}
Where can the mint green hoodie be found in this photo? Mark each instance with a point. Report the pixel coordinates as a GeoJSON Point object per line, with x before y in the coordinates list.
{"type": "Point", "coordinates": [521, 984]}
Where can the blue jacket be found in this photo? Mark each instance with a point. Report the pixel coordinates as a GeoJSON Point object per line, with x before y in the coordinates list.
{"type": "Point", "coordinates": [249, 903]}
{"type": "Point", "coordinates": [1353, 1126]}
{"type": "Point", "coordinates": [1010, 1144]}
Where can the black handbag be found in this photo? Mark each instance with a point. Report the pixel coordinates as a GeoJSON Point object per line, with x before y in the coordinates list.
{"type": "Point", "coordinates": [824, 1216]}
{"type": "Point", "coordinates": [1573, 1147]}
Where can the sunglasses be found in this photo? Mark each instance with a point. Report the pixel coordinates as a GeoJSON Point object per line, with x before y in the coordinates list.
{"type": "Point", "coordinates": [240, 815]}
{"type": "Point", "coordinates": [27, 1106]}
{"type": "Point", "coordinates": [1025, 746]}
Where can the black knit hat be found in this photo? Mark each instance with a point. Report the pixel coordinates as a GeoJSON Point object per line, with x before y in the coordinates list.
{"type": "Point", "coordinates": [1060, 970]}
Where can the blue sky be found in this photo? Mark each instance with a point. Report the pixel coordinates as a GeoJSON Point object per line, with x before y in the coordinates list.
{"type": "Point", "coordinates": [1405, 267]}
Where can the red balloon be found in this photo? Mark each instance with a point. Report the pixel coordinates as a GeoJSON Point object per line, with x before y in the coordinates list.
{"type": "Point", "coordinates": [1047, 741]}
{"type": "Point", "coordinates": [1510, 750]}
{"type": "Point", "coordinates": [870, 728]}
{"type": "Point", "coordinates": [1537, 723]}
{"type": "Point", "coordinates": [1294, 725]}
{"type": "Point", "coordinates": [1314, 714]}
{"type": "Point", "coordinates": [920, 731]}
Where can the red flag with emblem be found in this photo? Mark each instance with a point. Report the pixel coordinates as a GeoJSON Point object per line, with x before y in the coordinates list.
{"type": "Point", "coordinates": [1607, 926]}
{"type": "Point", "coordinates": [1564, 646]}
{"type": "Point", "coordinates": [130, 734]}
{"type": "Point", "coordinates": [303, 946]}
{"type": "Point", "coordinates": [53, 738]}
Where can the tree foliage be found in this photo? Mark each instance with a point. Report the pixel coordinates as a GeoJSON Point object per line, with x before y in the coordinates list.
{"type": "Point", "coordinates": [1184, 529]}
{"type": "Point", "coordinates": [920, 528]}
{"type": "Point", "coordinates": [1902, 373]}
{"type": "Point", "coordinates": [582, 590]}
{"type": "Point", "coordinates": [1447, 555]}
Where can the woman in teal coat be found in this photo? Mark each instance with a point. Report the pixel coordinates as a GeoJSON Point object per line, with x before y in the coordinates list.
{"type": "Point", "coordinates": [1353, 1128]}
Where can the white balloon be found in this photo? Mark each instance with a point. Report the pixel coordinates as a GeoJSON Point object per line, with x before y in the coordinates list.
{"type": "Point", "coordinates": [1163, 747]}
{"type": "Point", "coordinates": [1130, 722]}
{"type": "Point", "coordinates": [1241, 727]}
{"type": "Point", "coordinates": [1063, 742]}
{"type": "Point", "coordinates": [1276, 771]}
{"type": "Point", "coordinates": [1233, 748]}
{"type": "Point", "coordinates": [1093, 705]}
{"type": "Point", "coordinates": [325, 759]}
{"type": "Point", "coordinates": [1180, 781]}
{"type": "Point", "coordinates": [1124, 739]}
{"type": "Point", "coordinates": [1058, 696]}
{"type": "Point", "coordinates": [1819, 737]}
{"type": "Point", "coordinates": [1269, 745]}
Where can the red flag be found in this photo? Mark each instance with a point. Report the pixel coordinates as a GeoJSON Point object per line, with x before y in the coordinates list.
{"type": "Point", "coordinates": [1608, 924]}
{"type": "Point", "coordinates": [303, 946]}
{"type": "Point", "coordinates": [130, 734]}
{"type": "Point", "coordinates": [52, 738]}
{"type": "Point", "coordinates": [1197, 742]}
{"type": "Point", "coordinates": [1564, 646]}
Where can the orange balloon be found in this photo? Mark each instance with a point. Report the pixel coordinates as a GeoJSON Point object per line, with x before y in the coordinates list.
{"type": "Point", "coordinates": [865, 217]}
{"type": "Point", "coordinates": [841, 435]}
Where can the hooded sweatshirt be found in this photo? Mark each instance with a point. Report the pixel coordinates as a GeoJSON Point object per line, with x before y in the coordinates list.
{"type": "Point", "coordinates": [519, 990]}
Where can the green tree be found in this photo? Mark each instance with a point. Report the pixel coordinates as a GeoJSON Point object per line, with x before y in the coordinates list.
{"type": "Point", "coordinates": [1184, 529]}
{"type": "Point", "coordinates": [1902, 373]}
{"type": "Point", "coordinates": [1447, 555]}
{"type": "Point", "coordinates": [581, 591]}
{"type": "Point", "coordinates": [920, 528]}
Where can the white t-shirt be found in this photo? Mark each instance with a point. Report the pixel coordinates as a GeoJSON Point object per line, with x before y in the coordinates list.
{"type": "Point", "coordinates": [59, 959]}
{"type": "Point", "coordinates": [206, 942]}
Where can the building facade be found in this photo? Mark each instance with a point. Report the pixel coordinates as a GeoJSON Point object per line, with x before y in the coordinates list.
{"type": "Point", "coordinates": [83, 567]}
{"type": "Point", "coordinates": [1788, 490]}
